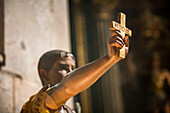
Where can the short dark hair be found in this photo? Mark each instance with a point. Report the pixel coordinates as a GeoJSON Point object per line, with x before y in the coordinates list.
{"type": "Point", "coordinates": [47, 60]}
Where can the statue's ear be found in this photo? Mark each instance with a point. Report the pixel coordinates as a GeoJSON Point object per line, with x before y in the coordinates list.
{"type": "Point", "coordinates": [44, 76]}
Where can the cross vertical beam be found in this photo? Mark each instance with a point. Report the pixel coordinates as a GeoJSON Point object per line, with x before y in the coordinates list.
{"type": "Point", "coordinates": [120, 25]}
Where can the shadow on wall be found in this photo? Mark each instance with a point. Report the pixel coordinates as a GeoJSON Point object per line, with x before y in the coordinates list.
{"type": "Point", "coordinates": [14, 91]}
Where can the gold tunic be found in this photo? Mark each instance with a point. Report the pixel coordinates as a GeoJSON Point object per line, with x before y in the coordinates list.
{"type": "Point", "coordinates": [36, 104]}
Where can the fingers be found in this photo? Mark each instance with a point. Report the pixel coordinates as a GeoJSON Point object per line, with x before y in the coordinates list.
{"type": "Point", "coordinates": [118, 45]}
{"type": "Point", "coordinates": [126, 40]}
{"type": "Point", "coordinates": [116, 39]}
{"type": "Point", "coordinates": [116, 33]}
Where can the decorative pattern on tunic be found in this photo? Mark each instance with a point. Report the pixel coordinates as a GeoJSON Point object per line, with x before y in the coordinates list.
{"type": "Point", "coordinates": [36, 104]}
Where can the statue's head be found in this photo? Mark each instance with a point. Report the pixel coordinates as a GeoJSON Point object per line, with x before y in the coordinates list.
{"type": "Point", "coordinates": [54, 65]}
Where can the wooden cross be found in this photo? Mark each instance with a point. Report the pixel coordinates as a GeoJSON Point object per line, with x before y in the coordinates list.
{"type": "Point", "coordinates": [121, 26]}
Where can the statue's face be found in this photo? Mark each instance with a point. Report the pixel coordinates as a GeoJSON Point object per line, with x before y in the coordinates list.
{"type": "Point", "coordinates": [60, 68]}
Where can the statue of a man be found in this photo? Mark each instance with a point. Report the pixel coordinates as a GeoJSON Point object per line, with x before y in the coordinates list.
{"type": "Point", "coordinates": [62, 81]}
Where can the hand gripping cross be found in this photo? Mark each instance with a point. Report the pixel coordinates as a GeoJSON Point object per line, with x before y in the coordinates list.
{"type": "Point", "coordinates": [121, 26]}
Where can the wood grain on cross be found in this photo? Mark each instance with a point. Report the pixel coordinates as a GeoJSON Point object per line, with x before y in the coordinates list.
{"type": "Point", "coordinates": [121, 26]}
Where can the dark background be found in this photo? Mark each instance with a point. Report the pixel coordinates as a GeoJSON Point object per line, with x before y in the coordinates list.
{"type": "Point", "coordinates": [148, 56]}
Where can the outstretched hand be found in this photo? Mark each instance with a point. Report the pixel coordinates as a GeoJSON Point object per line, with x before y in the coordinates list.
{"type": "Point", "coordinates": [116, 42]}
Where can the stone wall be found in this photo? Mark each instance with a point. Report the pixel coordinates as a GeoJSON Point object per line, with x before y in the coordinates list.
{"type": "Point", "coordinates": [14, 91]}
{"type": "Point", "coordinates": [31, 28]}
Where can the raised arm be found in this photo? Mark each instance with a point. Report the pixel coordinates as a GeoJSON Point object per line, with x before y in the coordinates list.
{"type": "Point", "coordinates": [83, 77]}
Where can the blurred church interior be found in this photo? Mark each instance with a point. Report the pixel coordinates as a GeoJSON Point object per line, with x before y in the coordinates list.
{"type": "Point", "coordinates": [138, 84]}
